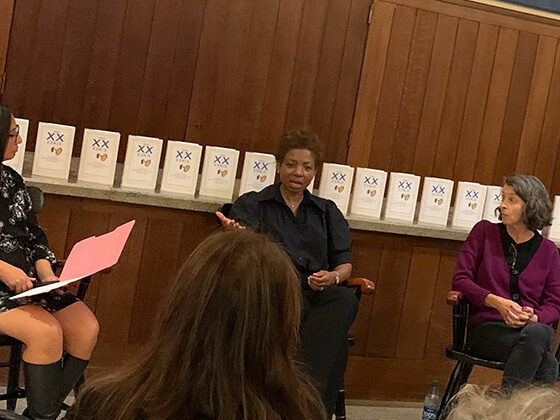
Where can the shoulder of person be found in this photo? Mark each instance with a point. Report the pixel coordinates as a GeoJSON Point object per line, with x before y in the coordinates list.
{"type": "Point", "coordinates": [13, 173]}
{"type": "Point", "coordinates": [550, 246]}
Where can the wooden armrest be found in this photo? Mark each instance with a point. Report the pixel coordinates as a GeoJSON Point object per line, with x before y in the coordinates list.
{"type": "Point", "coordinates": [366, 286]}
{"type": "Point", "coordinates": [454, 297]}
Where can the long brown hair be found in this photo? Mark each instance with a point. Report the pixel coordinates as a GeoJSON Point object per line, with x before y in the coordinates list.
{"type": "Point", "coordinates": [226, 344]}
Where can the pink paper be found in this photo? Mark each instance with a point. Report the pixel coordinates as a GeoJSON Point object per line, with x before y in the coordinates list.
{"type": "Point", "coordinates": [87, 257]}
{"type": "Point", "coordinates": [96, 253]}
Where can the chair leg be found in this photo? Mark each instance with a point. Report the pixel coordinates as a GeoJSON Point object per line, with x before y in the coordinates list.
{"type": "Point", "coordinates": [458, 378]}
{"type": "Point", "coordinates": [13, 375]}
{"type": "Point", "coordinates": [340, 410]}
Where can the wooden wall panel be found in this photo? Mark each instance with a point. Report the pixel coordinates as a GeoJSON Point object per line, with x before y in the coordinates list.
{"type": "Point", "coordinates": [548, 147]}
{"type": "Point", "coordinates": [393, 84]}
{"type": "Point", "coordinates": [475, 106]}
{"type": "Point", "coordinates": [228, 73]}
{"type": "Point", "coordinates": [417, 304]}
{"type": "Point", "coordinates": [6, 13]}
{"type": "Point", "coordinates": [455, 101]}
{"type": "Point", "coordinates": [479, 109]}
{"type": "Point", "coordinates": [438, 76]}
{"type": "Point", "coordinates": [414, 91]}
{"type": "Point", "coordinates": [504, 58]}
{"type": "Point", "coordinates": [157, 269]}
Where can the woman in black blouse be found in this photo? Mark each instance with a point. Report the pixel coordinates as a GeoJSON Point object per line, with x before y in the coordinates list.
{"type": "Point", "coordinates": [47, 324]}
{"type": "Point", "coordinates": [316, 236]}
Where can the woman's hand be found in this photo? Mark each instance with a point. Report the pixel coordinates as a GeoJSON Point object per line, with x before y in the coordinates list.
{"type": "Point", "coordinates": [16, 279]}
{"type": "Point", "coordinates": [533, 317]}
{"type": "Point", "coordinates": [321, 279]}
{"type": "Point", "coordinates": [229, 224]}
{"type": "Point", "coordinates": [513, 314]}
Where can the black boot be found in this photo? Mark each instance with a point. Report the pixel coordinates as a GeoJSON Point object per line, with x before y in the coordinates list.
{"type": "Point", "coordinates": [42, 389]}
{"type": "Point", "coordinates": [72, 370]}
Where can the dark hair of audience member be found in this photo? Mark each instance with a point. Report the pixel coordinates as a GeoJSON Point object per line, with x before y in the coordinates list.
{"type": "Point", "coordinates": [226, 343]}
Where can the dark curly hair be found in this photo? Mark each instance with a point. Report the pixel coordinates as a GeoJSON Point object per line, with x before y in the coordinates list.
{"type": "Point", "coordinates": [300, 139]}
{"type": "Point", "coordinates": [537, 212]}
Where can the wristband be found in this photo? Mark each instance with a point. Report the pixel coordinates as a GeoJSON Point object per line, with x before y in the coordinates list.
{"type": "Point", "coordinates": [337, 278]}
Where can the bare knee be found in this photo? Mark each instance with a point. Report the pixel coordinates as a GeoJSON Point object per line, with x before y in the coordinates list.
{"type": "Point", "coordinates": [80, 335]}
{"type": "Point", "coordinates": [46, 338]}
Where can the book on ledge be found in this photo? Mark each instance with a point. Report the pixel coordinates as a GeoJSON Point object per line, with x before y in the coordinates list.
{"type": "Point", "coordinates": [87, 257]}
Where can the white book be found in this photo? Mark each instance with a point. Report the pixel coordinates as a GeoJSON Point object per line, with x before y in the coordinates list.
{"type": "Point", "coordinates": [435, 201]}
{"type": "Point", "coordinates": [141, 164]}
{"type": "Point", "coordinates": [401, 197]}
{"type": "Point", "coordinates": [99, 156]}
{"type": "Point", "coordinates": [311, 185]}
{"type": "Point", "coordinates": [369, 189]}
{"type": "Point", "coordinates": [259, 170]}
{"type": "Point", "coordinates": [16, 162]}
{"type": "Point", "coordinates": [469, 205]}
{"type": "Point", "coordinates": [218, 173]}
{"type": "Point", "coordinates": [493, 201]}
{"type": "Point", "coordinates": [553, 232]}
{"type": "Point", "coordinates": [53, 150]}
{"type": "Point", "coordinates": [336, 184]}
{"type": "Point", "coordinates": [180, 171]}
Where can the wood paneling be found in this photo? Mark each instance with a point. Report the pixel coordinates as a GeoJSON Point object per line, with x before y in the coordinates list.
{"type": "Point", "coordinates": [6, 12]}
{"type": "Point", "coordinates": [228, 73]}
{"type": "Point", "coordinates": [454, 90]}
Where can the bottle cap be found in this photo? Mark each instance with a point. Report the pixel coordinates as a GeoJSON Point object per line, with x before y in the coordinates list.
{"type": "Point", "coordinates": [435, 382]}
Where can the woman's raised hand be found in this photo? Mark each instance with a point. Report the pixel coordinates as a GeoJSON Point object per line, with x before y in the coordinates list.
{"type": "Point", "coordinates": [229, 224]}
{"type": "Point", "coordinates": [16, 279]}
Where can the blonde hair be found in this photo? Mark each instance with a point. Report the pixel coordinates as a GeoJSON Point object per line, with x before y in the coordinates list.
{"type": "Point", "coordinates": [482, 403]}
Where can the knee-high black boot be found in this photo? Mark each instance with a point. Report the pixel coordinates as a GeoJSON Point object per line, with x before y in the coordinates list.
{"type": "Point", "coordinates": [72, 370]}
{"type": "Point", "coordinates": [42, 389]}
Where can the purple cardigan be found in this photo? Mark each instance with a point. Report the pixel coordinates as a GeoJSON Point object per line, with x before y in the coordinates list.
{"type": "Point", "coordinates": [481, 269]}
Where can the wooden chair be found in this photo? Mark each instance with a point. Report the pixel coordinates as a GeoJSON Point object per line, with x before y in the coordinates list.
{"type": "Point", "coordinates": [458, 351]}
{"type": "Point", "coordinates": [13, 390]}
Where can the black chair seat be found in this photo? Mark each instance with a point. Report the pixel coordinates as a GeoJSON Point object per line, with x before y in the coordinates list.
{"type": "Point", "coordinates": [461, 356]}
{"type": "Point", "coordinates": [6, 340]}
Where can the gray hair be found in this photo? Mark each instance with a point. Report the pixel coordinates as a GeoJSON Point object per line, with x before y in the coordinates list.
{"type": "Point", "coordinates": [476, 403]}
{"type": "Point", "coordinates": [537, 212]}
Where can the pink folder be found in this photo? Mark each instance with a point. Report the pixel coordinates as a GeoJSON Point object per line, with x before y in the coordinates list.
{"type": "Point", "coordinates": [87, 257]}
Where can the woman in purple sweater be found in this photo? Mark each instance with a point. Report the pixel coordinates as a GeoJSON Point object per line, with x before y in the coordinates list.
{"type": "Point", "coordinates": [510, 275]}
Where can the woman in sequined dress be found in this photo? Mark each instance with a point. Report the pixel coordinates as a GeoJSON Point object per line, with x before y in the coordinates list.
{"type": "Point", "coordinates": [58, 331]}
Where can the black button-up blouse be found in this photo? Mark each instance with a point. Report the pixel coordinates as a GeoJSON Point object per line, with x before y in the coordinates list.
{"type": "Point", "coordinates": [316, 238]}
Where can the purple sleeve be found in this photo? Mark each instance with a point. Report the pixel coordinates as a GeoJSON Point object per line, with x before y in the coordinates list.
{"type": "Point", "coordinates": [549, 301]}
{"type": "Point", "coordinates": [464, 277]}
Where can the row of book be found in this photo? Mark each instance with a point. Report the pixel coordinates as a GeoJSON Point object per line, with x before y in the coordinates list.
{"type": "Point", "coordinates": [364, 192]}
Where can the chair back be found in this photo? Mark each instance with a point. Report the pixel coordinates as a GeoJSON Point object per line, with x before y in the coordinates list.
{"type": "Point", "coordinates": [37, 198]}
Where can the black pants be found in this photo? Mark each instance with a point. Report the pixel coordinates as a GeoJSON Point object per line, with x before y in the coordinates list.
{"type": "Point", "coordinates": [327, 317]}
{"type": "Point", "coordinates": [527, 351]}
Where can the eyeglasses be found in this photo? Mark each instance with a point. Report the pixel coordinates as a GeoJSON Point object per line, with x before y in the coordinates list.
{"type": "Point", "coordinates": [16, 134]}
{"type": "Point", "coordinates": [511, 259]}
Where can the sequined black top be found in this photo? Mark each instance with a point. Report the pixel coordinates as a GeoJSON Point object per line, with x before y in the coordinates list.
{"type": "Point", "coordinates": [22, 241]}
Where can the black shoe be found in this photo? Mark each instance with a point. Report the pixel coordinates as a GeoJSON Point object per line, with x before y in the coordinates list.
{"type": "Point", "coordinates": [42, 389]}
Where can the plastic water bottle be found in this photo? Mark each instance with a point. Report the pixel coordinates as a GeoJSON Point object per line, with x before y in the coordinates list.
{"type": "Point", "coordinates": [431, 402]}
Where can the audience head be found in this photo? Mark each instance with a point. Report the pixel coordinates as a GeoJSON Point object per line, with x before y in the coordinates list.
{"type": "Point", "coordinates": [226, 344]}
{"type": "Point", "coordinates": [9, 133]}
{"type": "Point", "coordinates": [525, 200]}
{"type": "Point", "coordinates": [299, 157]}
{"type": "Point", "coordinates": [476, 403]}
